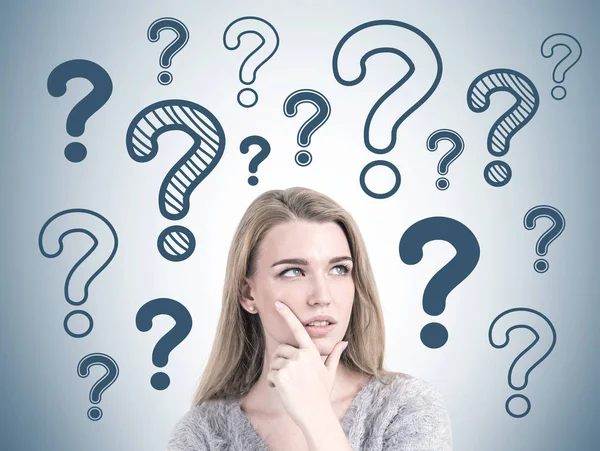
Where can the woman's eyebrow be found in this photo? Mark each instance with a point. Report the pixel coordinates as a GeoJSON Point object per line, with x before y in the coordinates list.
{"type": "Point", "coordinates": [301, 261]}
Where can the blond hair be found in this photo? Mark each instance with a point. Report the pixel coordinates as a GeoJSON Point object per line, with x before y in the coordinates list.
{"type": "Point", "coordinates": [236, 359]}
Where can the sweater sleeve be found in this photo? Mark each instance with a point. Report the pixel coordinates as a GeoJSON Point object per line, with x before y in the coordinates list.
{"type": "Point", "coordinates": [422, 422]}
{"type": "Point", "coordinates": [190, 433]}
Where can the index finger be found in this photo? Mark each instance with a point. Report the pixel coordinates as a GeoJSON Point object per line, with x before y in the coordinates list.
{"type": "Point", "coordinates": [298, 330]}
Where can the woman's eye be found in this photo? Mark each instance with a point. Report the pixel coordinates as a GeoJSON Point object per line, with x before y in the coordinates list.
{"type": "Point", "coordinates": [344, 268]}
{"type": "Point", "coordinates": [288, 270]}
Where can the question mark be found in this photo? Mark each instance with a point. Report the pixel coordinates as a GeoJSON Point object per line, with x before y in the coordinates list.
{"type": "Point", "coordinates": [102, 89]}
{"type": "Point", "coordinates": [567, 62]}
{"type": "Point", "coordinates": [458, 146]}
{"type": "Point", "coordinates": [498, 173]}
{"type": "Point", "coordinates": [269, 44]}
{"type": "Point", "coordinates": [166, 57]}
{"type": "Point", "coordinates": [183, 325]}
{"type": "Point", "coordinates": [176, 243]}
{"type": "Point", "coordinates": [112, 372]}
{"type": "Point", "coordinates": [435, 335]}
{"type": "Point", "coordinates": [349, 41]}
{"type": "Point", "coordinates": [265, 150]}
{"type": "Point", "coordinates": [502, 326]}
{"type": "Point", "coordinates": [290, 108]}
{"type": "Point", "coordinates": [558, 225]}
{"type": "Point", "coordinates": [56, 229]}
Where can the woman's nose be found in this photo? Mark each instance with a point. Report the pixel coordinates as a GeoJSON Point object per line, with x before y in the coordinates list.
{"type": "Point", "coordinates": [319, 292]}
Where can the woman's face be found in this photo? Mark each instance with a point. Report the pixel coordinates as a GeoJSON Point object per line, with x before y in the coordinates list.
{"type": "Point", "coordinates": [307, 266]}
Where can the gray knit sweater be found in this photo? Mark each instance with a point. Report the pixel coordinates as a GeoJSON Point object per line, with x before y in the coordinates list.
{"type": "Point", "coordinates": [407, 415]}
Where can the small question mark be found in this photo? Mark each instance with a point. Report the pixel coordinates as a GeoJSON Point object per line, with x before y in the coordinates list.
{"type": "Point", "coordinates": [350, 41]}
{"type": "Point", "coordinates": [265, 150]}
{"type": "Point", "coordinates": [102, 89]}
{"type": "Point", "coordinates": [498, 173]}
{"type": "Point", "coordinates": [176, 243]}
{"type": "Point", "coordinates": [183, 325]}
{"type": "Point", "coordinates": [458, 146]}
{"type": "Point", "coordinates": [498, 335]}
{"type": "Point", "coordinates": [166, 57]}
{"type": "Point", "coordinates": [290, 108]}
{"type": "Point", "coordinates": [269, 44]}
{"type": "Point", "coordinates": [435, 335]}
{"type": "Point", "coordinates": [112, 372]}
{"type": "Point", "coordinates": [567, 62]}
{"type": "Point", "coordinates": [558, 225]}
{"type": "Point", "coordinates": [94, 261]}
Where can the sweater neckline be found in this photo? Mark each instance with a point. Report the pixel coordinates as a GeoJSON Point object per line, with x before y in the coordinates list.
{"type": "Point", "coordinates": [346, 419]}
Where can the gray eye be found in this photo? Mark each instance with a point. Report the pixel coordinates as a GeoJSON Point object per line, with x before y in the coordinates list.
{"type": "Point", "coordinates": [345, 269]}
{"type": "Point", "coordinates": [291, 269]}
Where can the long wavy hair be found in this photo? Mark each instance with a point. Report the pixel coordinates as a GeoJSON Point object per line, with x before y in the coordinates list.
{"type": "Point", "coordinates": [236, 359]}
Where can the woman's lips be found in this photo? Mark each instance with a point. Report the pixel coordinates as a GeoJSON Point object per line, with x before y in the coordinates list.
{"type": "Point", "coordinates": [319, 331]}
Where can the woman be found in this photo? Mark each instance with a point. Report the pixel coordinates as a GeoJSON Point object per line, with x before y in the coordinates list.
{"type": "Point", "coordinates": [272, 382]}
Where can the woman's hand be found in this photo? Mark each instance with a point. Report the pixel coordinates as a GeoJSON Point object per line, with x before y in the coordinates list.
{"type": "Point", "coordinates": [303, 382]}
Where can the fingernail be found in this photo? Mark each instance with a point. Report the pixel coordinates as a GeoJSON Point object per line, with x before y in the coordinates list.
{"type": "Point", "coordinates": [278, 305]}
{"type": "Point", "coordinates": [345, 345]}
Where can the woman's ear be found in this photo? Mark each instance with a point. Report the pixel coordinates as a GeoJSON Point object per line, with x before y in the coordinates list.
{"type": "Point", "coordinates": [247, 298]}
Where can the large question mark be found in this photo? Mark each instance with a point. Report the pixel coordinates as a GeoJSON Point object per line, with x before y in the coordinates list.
{"type": "Point", "coordinates": [290, 108]}
{"type": "Point", "coordinates": [183, 325]}
{"type": "Point", "coordinates": [498, 173]}
{"type": "Point", "coordinates": [265, 150]}
{"type": "Point", "coordinates": [558, 225]}
{"type": "Point", "coordinates": [177, 243]}
{"type": "Point", "coordinates": [269, 44]}
{"type": "Point", "coordinates": [568, 61]}
{"type": "Point", "coordinates": [166, 57]}
{"type": "Point", "coordinates": [458, 146]}
{"type": "Point", "coordinates": [112, 372]}
{"type": "Point", "coordinates": [499, 336]}
{"type": "Point", "coordinates": [435, 335]}
{"type": "Point", "coordinates": [90, 265]}
{"type": "Point", "coordinates": [350, 40]}
{"type": "Point", "coordinates": [102, 89]}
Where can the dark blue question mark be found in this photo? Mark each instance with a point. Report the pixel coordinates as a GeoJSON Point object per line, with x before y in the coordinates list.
{"type": "Point", "coordinates": [269, 43]}
{"type": "Point", "coordinates": [166, 57]}
{"type": "Point", "coordinates": [498, 173]}
{"type": "Point", "coordinates": [265, 150]}
{"type": "Point", "coordinates": [102, 89]}
{"type": "Point", "coordinates": [567, 62]}
{"type": "Point", "coordinates": [55, 230]}
{"type": "Point", "coordinates": [290, 108]}
{"type": "Point", "coordinates": [458, 146]}
{"type": "Point", "coordinates": [183, 325]}
{"type": "Point", "coordinates": [499, 336]}
{"type": "Point", "coordinates": [112, 372]}
{"type": "Point", "coordinates": [435, 335]}
{"type": "Point", "coordinates": [558, 225]}
{"type": "Point", "coordinates": [177, 243]}
{"type": "Point", "coordinates": [347, 80]}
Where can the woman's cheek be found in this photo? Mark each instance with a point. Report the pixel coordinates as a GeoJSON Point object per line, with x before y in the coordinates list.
{"type": "Point", "coordinates": [347, 289]}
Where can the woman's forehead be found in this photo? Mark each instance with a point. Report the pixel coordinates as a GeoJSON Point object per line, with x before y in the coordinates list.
{"type": "Point", "coordinates": [308, 240]}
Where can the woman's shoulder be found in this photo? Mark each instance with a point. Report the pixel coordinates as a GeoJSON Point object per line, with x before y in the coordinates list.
{"type": "Point", "coordinates": [409, 393]}
{"type": "Point", "coordinates": [418, 409]}
{"type": "Point", "coordinates": [410, 388]}
{"type": "Point", "coordinates": [199, 426]}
